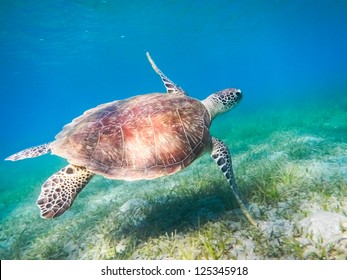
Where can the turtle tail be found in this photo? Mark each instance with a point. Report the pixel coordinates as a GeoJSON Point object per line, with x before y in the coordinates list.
{"type": "Point", "coordinates": [31, 152]}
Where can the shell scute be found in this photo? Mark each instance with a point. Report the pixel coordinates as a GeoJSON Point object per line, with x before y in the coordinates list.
{"type": "Point", "coordinates": [142, 137]}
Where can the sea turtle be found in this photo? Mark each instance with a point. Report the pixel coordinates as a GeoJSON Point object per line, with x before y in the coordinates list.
{"type": "Point", "coordinates": [142, 137]}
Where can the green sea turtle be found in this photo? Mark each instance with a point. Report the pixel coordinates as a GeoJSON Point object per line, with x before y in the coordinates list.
{"type": "Point", "coordinates": [142, 137]}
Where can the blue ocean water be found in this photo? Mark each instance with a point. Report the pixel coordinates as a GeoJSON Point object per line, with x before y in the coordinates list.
{"type": "Point", "coordinates": [59, 58]}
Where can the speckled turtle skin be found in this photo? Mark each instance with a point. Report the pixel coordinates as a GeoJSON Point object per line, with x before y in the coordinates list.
{"type": "Point", "coordinates": [143, 137]}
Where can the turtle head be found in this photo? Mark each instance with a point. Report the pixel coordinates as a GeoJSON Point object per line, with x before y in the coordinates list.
{"type": "Point", "coordinates": [222, 101]}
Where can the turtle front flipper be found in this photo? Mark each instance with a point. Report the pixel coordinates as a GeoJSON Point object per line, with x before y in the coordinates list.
{"type": "Point", "coordinates": [60, 190]}
{"type": "Point", "coordinates": [171, 87]}
{"type": "Point", "coordinates": [31, 152]}
{"type": "Point", "coordinates": [221, 155]}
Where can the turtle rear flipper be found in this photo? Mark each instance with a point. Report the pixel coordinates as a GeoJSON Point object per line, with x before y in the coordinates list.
{"type": "Point", "coordinates": [31, 152]}
{"type": "Point", "coordinates": [60, 190]}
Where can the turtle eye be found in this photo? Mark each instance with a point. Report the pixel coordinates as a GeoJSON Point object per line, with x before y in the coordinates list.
{"type": "Point", "coordinates": [238, 93]}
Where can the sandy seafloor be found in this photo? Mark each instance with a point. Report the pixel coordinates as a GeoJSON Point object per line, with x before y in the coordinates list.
{"type": "Point", "coordinates": [288, 136]}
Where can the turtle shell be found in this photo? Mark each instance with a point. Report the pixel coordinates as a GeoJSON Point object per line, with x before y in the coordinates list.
{"type": "Point", "coordinates": [143, 137]}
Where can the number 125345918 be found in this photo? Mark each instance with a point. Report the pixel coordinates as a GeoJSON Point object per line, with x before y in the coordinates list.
{"type": "Point", "coordinates": [213, 270]}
